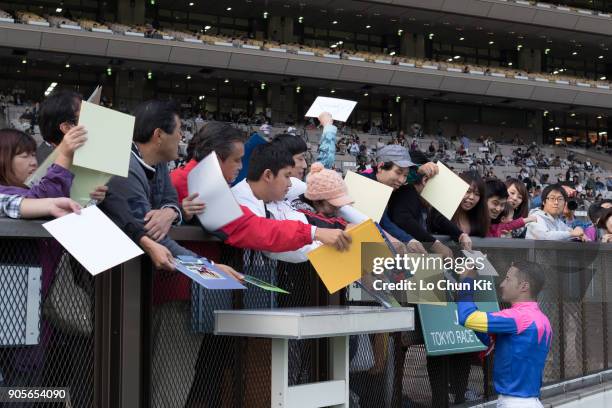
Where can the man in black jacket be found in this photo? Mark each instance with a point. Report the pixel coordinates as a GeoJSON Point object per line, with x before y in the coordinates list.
{"type": "Point", "coordinates": [408, 211]}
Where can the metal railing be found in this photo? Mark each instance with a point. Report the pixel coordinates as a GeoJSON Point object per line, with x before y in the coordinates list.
{"type": "Point", "coordinates": [139, 351]}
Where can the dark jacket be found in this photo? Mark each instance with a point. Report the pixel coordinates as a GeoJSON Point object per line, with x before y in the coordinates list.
{"type": "Point", "coordinates": [385, 221]}
{"type": "Point", "coordinates": [407, 211]}
{"type": "Point", "coordinates": [144, 189]}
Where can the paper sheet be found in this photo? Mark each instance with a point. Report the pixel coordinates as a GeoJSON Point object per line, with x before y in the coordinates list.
{"type": "Point", "coordinates": [95, 96]}
{"type": "Point", "coordinates": [93, 239]}
{"type": "Point", "coordinates": [370, 196]}
{"type": "Point", "coordinates": [340, 109]}
{"type": "Point", "coordinates": [445, 191]}
{"type": "Point", "coordinates": [207, 180]}
{"type": "Point", "coordinates": [339, 269]}
{"type": "Point", "coordinates": [84, 183]}
{"type": "Point", "coordinates": [488, 269]}
{"type": "Point", "coordinates": [109, 140]}
{"type": "Point", "coordinates": [205, 274]}
{"type": "Point", "coordinates": [263, 284]}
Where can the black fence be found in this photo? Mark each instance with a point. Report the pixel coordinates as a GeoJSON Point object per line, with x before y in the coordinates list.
{"type": "Point", "coordinates": [134, 337]}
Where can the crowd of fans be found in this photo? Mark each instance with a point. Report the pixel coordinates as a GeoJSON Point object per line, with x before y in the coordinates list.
{"type": "Point", "coordinates": [284, 217]}
{"type": "Point", "coordinates": [336, 51]}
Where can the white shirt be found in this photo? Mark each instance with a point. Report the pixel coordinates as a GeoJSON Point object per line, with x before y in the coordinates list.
{"type": "Point", "coordinates": [279, 210]}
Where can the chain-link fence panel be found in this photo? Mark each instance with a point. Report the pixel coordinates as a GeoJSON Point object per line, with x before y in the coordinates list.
{"type": "Point", "coordinates": [47, 320]}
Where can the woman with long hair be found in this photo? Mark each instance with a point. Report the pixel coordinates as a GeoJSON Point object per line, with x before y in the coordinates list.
{"type": "Point", "coordinates": [472, 215]}
{"type": "Point", "coordinates": [518, 198]}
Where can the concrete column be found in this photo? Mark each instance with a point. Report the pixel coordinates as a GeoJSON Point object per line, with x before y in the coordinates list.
{"type": "Point", "coordinates": [131, 11]}
{"type": "Point", "coordinates": [275, 29]}
{"type": "Point", "coordinates": [412, 110]}
{"type": "Point", "coordinates": [129, 88]}
{"type": "Point", "coordinates": [537, 125]}
{"type": "Point", "coordinates": [530, 59]}
{"type": "Point", "coordinates": [282, 102]}
{"type": "Point", "coordinates": [412, 45]}
{"type": "Point", "coordinates": [287, 30]}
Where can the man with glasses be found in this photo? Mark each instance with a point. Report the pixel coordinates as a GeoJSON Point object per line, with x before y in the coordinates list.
{"type": "Point", "coordinates": [549, 225]}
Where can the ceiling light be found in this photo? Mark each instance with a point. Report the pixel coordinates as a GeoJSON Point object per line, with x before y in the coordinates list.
{"type": "Point", "coordinates": [67, 65]}
{"type": "Point", "coordinates": [575, 53]}
{"type": "Point", "coordinates": [400, 31]}
{"type": "Point", "coordinates": [334, 45]}
{"type": "Point", "coordinates": [461, 38]}
{"type": "Point", "coordinates": [392, 53]}
{"type": "Point", "coordinates": [202, 97]}
{"type": "Point", "coordinates": [449, 60]}
{"type": "Point", "coordinates": [599, 117]}
{"type": "Point", "coordinates": [265, 14]}
{"type": "Point", "coordinates": [50, 88]}
{"type": "Point", "coordinates": [572, 114]}
{"type": "Point", "coordinates": [557, 128]}
{"type": "Point", "coordinates": [431, 36]}
{"type": "Point", "coordinates": [340, 42]}
{"type": "Point", "coordinates": [229, 9]}
{"type": "Point", "coordinates": [603, 78]}
{"type": "Point", "coordinates": [226, 81]}
{"type": "Point", "coordinates": [601, 57]}
{"type": "Point", "coordinates": [298, 89]}
{"type": "Point", "coordinates": [368, 26]}
{"type": "Point", "coordinates": [398, 99]}
{"type": "Point", "coordinates": [547, 51]}
{"type": "Point", "coordinates": [188, 77]}
{"type": "Point", "coordinates": [262, 86]}
{"type": "Point", "coordinates": [24, 61]}
{"type": "Point", "coordinates": [366, 94]}
{"type": "Point", "coordinates": [206, 28]}
{"type": "Point", "coordinates": [333, 91]}
{"type": "Point", "coordinates": [510, 64]}
{"type": "Point", "coordinates": [58, 10]}
{"type": "Point", "coordinates": [335, 22]}
{"type": "Point", "coordinates": [300, 19]}
{"type": "Point", "coordinates": [551, 129]}
{"type": "Point", "coordinates": [457, 57]}
{"type": "Point", "coordinates": [191, 4]}
{"type": "Point", "coordinates": [491, 42]}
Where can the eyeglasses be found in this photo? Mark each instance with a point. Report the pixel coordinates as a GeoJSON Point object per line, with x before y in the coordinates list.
{"type": "Point", "coordinates": [556, 199]}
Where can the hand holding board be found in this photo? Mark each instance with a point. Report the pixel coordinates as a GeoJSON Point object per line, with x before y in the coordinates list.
{"type": "Point", "coordinates": [340, 109]}
{"type": "Point", "coordinates": [109, 140]}
{"type": "Point", "coordinates": [445, 191]}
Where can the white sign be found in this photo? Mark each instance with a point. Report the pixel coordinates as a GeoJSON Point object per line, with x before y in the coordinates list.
{"type": "Point", "coordinates": [340, 109]}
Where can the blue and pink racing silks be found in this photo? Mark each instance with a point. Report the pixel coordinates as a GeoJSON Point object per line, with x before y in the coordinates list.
{"type": "Point", "coordinates": [522, 340]}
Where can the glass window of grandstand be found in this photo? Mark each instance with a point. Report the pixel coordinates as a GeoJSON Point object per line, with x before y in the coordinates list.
{"type": "Point", "coordinates": [462, 55]}
{"type": "Point", "coordinates": [576, 129]}
{"type": "Point", "coordinates": [585, 68]}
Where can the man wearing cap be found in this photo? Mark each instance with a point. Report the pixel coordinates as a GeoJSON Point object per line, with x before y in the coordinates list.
{"type": "Point", "coordinates": [409, 212]}
{"type": "Point", "coordinates": [392, 170]}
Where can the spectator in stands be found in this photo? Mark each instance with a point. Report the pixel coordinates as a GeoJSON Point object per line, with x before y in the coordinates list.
{"type": "Point", "coordinates": [325, 194]}
{"type": "Point", "coordinates": [327, 145]}
{"type": "Point", "coordinates": [393, 168]}
{"type": "Point", "coordinates": [549, 225]}
{"type": "Point", "coordinates": [58, 114]}
{"type": "Point", "coordinates": [15, 206]}
{"type": "Point", "coordinates": [472, 215]}
{"type": "Point", "coordinates": [569, 217]}
{"type": "Point", "coordinates": [18, 163]}
{"type": "Point", "coordinates": [599, 185]}
{"type": "Point", "coordinates": [249, 231]}
{"type": "Point", "coordinates": [298, 148]}
{"type": "Point", "coordinates": [267, 182]}
{"type": "Point", "coordinates": [153, 205]}
{"type": "Point", "coordinates": [409, 212]}
{"type": "Point", "coordinates": [496, 195]}
{"type": "Point", "coordinates": [518, 198]}
{"type": "Point", "coordinates": [609, 183]}
{"type": "Point", "coordinates": [605, 223]}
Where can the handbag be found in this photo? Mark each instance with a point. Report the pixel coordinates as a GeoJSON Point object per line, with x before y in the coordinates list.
{"type": "Point", "coordinates": [68, 306]}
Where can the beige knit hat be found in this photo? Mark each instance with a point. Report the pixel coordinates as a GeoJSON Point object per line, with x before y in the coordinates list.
{"type": "Point", "coordinates": [325, 184]}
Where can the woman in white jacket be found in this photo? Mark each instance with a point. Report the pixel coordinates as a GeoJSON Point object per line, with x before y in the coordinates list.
{"type": "Point", "coordinates": [549, 226]}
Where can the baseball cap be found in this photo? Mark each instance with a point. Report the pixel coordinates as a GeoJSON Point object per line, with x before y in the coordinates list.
{"type": "Point", "coordinates": [397, 154]}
